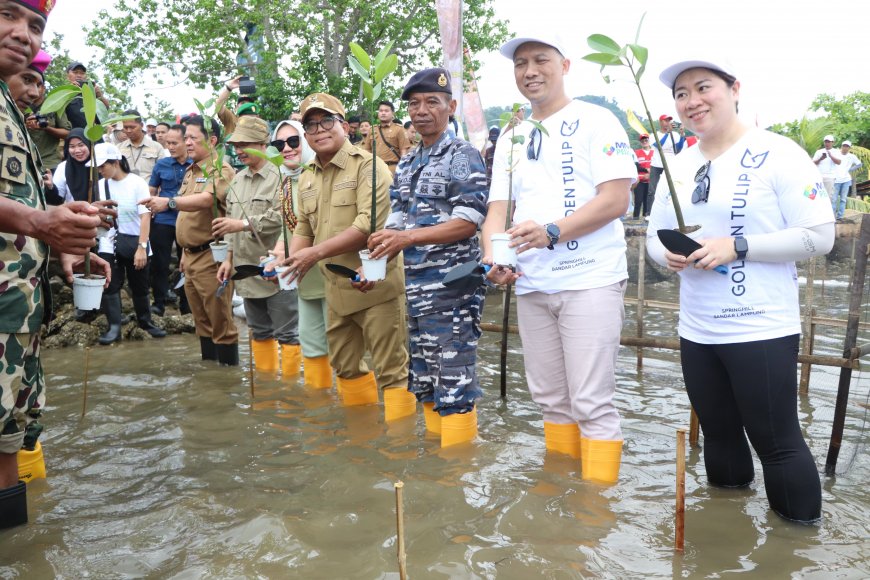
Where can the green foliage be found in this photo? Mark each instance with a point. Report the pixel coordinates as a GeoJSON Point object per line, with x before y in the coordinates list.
{"type": "Point", "coordinates": [305, 43]}
{"type": "Point", "coordinates": [55, 75]}
{"type": "Point", "coordinates": [850, 116]}
{"type": "Point", "coordinates": [808, 133]}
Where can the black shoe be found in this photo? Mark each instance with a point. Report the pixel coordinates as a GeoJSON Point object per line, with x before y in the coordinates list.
{"type": "Point", "coordinates": [13, 505]}
{"type": "Point", "coordinates": [111, 306]}
{"type": "Point", "coordinates": [228, 354]}
{"type": "Point", "coordinates": [171, 297]}
{"type": "Point", "coordinates": [86, 316]}
{"type": "Point", "coordinates": [143, 316]}
{"type": "Point", "coordinates": [207, 348]}
{"type": "Point", "coordinates": [157, 310]}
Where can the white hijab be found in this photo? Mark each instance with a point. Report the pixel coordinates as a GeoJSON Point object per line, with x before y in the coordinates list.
{"type": "Point", "coordinates": [307, 152]}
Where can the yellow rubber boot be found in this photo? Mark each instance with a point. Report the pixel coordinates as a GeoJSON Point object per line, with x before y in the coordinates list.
{"type": "Point", "coordinates": [456, 428]}
{"type": "Point", "coordinates": [362, 390]}
{"type": "Point", "coordinates": [563, 438]}
{"type": "Point", "coordinates": [600, 459]}
{"type": "Point", "coordinates": [291, 360]}
{"type": "Point", "coordinates": [31, 464]}
{"type": "Point", "coordinates": [398, 403]}
{"type": "Point", "coordinates": [318, 373]}
{"type": "Point", "coordinates": [432, 418]}
{"type": "Point", "coordinates": [265, 354]}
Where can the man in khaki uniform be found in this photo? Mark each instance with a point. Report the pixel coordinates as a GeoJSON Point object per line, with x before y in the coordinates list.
{"type": "Point", "coordinates": [391, 139]}
{"type": "Point", "coordinates": [140, 150]}
{"type": "Point", "coordinates": [252, 227]}
{"type": "Point", "coordinates": [195, 202]}
{"type": "Point", "coordinates": [334, 224]}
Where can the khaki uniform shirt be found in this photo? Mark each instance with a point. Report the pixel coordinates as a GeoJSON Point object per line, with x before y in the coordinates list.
{"type": "Point", "coordinates": [338, 196]}
{"type": "Point", "coordinates": [257, 197]}
{"type": "Point", "coordinates": [48, 146]}
{"type": "Point", "coordinates": [193, 228]}
{"type": "Point", "coordinates": [22, 259]}
{"type": "Point", "coordinates": [142, 157]}
{"type": "Point", "coordinates": [395, 136]}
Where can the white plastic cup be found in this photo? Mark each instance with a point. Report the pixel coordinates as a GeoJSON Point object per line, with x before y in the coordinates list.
{"type": "Point", "coordinates": [285, 283]}
{"type": "Point", "coordinates": [502, 254]}
{"type": "Point", "coordinates": [88, 292]}
{"type": "Point", "coordinates": [373, 269]}
{"type": "Point", "coordinates": [219, 251]}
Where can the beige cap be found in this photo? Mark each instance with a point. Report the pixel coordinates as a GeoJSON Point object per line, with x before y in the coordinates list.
{"type": "Point", "coordinates": [321, 101]}
{"type": "Point", "coordinates": [250, 130]}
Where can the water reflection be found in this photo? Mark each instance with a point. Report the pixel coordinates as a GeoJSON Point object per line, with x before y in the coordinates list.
{"type": "Point", "coordinates": [176, 473]}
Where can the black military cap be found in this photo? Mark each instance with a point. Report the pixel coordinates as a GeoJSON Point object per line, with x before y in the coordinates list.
{"type": "Point", "coordinates": [430, 80]}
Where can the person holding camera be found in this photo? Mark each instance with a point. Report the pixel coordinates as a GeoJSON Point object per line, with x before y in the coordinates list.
{"type": "Point", "coordinates": [46, 131]}
{"type": "Point", "coordinates": [228, 117]}
{"type": "Point", "coordinates": [76, 73]}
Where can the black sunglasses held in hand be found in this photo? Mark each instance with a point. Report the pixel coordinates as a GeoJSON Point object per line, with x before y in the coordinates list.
{"type": "Point", "coordinates": [292, 142]}
{"type": "Point", "coordinates": [702, 184]}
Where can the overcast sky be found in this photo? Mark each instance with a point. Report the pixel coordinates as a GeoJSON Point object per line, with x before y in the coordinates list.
{"type": "Point", "coordinates": [784, 52]}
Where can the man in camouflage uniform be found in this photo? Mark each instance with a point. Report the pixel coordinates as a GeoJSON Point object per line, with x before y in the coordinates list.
{"type": "Point", "coordinates": [27, 229]}
{"type": "Point", "coordinates": [438, 203]}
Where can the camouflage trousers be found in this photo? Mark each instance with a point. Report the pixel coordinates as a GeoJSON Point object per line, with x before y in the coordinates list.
{"type": "Point", "coordinates": [444, 357]}
{"type": "Point", "coordinates": [22, 387]}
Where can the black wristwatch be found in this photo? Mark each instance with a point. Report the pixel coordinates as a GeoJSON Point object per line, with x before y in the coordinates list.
{"type": "Point", "coordinates": [172, 204]}
{"type": "Point", "coordinates": [741, 247]}
{"type": "Point", "coordinates": [553, 233]}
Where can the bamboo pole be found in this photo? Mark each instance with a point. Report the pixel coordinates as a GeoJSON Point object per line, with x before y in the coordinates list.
{"type": "Point", "coordinates": [641, 275]}
{"type": "Point", "coordinates": [400, 530]}
{"type": "Point", "coordinates": [251, 359]}
{"type": "Point", "coordinates": [85, 390]}
{"type": "Point", "coordinates": [809, 313]}
{"type": "Point", "coordinates": [680, 531]}
{"type": "Point", "coordinates": [505, 328]}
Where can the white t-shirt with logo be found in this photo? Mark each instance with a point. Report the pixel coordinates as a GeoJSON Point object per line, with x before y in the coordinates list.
{"type": "Point", "coordinates": [826, 166]}
{"type": "Point", "coordinates": [585, 147]}
{"type": "Point", "coordinates": [763, 183]}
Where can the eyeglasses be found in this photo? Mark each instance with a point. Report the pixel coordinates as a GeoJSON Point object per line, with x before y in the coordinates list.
{"type": "Point", "coordinates": [326, 123]}
{"type": "Point", "coordinates": [292, 142]}
{"type": "Point", "coordinates": [702, 184]}
{"type": "Point", "coordinates": [533, 151]}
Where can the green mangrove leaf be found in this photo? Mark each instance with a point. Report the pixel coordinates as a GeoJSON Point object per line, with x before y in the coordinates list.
{"type": "Point", "coordinates": [376, 93]}
{"type": "Point", "coordinates": [359, 69]}
{"type": "Point", "coordinates": [504, 119]}
{"type": "Point", "coordinates": [540, 127]}
{"type": "Point", "coordinates": [94, 132]}
{"type": "Point", "coordinates": [199, 106]}
{"type": "Point", "coordinates": [361, 56]}
{"type": "Point", "coordinates": [89, 100]}
{"type": "Point", "coordinates": [368, 91]}
{"type": "Point", "coordinates": [59, 98]}
{"type": "Point", "coordinates": [518, 139]}
{"type": "Point", "coordinates": [603, 43]}
{"type": "Point", "coordinates": [120, 118]}
{"type": "Point", "coordinates": [102, 112]}
{"type": "Point", "coordinates": [379, 58]}
{"type": "Point", "coordinates": [641, 53]}
{"type": "Point", "coordinates": [603, 59]}
{"type": "Point", "coordinates": [386, 67]}
{"type": "Point", "coordinates": [639, 24]}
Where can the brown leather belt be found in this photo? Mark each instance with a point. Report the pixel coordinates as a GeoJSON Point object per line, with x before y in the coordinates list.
{"type": "Point", "coordinates": [392, 162]}
{"type": "Point", "coordinates": [198, 249]}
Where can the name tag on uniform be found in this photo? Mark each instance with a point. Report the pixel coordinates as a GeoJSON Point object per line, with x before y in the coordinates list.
{"type": "Point", "coordinates": [344, 185]}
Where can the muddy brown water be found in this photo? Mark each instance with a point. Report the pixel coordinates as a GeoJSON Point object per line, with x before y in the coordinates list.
{"type": "Point", "coordinates": [175, 472]}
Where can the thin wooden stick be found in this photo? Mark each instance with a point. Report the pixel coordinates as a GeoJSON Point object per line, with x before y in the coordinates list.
{"type": "Point", "coordinates": [85, 391]}
{"type": "Point", "coordinates": [251, 357]}
{"type": "Point", "coordinates": [694, 428]}
{"type": "Point", "coordinates": [680, 534]}
{"type": "Point", "coordinates": [400, 530]}
{"type": "Point", "coordinates": [506, 312]}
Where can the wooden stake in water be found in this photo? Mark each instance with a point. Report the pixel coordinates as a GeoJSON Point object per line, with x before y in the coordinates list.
{"type": "Point", "coordinates": [251, 361]}
{"type": "Point", "coordinates": [400, 530]}
{"type": "Point", "coordinates": [679, 535]}
{"type": "Point", "coordinates": [85, 390]}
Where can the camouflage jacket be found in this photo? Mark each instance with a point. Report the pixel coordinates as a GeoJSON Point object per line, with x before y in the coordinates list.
{"type": "Point", "coordinates": [434, 185]}
{"type": "Point", "coordinates": [22, 259]}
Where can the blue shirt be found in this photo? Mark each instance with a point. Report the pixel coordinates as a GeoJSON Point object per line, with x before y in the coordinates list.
{"type": "Point", "coordinates": [167, 177]}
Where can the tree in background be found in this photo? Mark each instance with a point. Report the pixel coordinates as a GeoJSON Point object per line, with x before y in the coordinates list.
{"type": "Point", "coordinates": [55, 76]}
{"type": "Point", "coordinates": [299, 46]}
{"type": "Point", "coordinates": [850, 115]}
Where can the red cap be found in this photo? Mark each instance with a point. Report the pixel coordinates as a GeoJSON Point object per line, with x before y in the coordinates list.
{"type": "Point", "coordinates": [42, 7]}
{"type": "Point", "coordinates": [642, 136]}
{"type": "Point", "coordinates": [666, 118]}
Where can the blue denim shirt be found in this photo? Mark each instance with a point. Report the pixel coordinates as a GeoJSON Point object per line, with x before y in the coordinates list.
{"type": "Point", "coordinates": [167, 177]}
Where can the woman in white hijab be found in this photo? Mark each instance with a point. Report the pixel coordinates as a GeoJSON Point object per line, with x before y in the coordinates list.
{"type": "Point", "coordinates": [287, 138]}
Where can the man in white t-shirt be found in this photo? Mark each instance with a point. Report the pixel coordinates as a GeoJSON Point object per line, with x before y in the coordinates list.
{"type": "Point", "coordinates": [827, 159]}
{"type": "Point", "coordinates": [672, 142]}
{"type": "Point", "coordinates": [849, 164]}
{"type": "Point", "coordinates": [571, 184]}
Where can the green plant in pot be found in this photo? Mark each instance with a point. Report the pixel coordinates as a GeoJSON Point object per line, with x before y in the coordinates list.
{"type": "Point", "coordinates": [87, 287]}
{"type": "Point", "coordinates": [372, 72]}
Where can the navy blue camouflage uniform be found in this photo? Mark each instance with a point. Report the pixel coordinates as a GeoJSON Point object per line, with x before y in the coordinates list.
{"type": "Point", "coordinates": [432, 186]}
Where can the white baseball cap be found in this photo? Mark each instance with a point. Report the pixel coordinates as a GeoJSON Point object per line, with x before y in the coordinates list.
{"type": "Point", "coordinates": [151, 123]}
{"type": "Point", "coordinates": [828, 138]}
{"type": "Point", "coordinates": [549, 38]}
{"type": "Point", "coordinates": [847, 143]}
{"type": "Point", "coordinates": [670, 74]}
{"type": "Point", "coordinates": [105, 152]}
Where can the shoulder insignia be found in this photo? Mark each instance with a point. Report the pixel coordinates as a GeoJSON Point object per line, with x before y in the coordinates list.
{"type": "Point", "coordinates": [8, 133]}
{"type": "Point", "coordinates": [13, 166]}
{"type": "Point", "coordinates": [460, 168]}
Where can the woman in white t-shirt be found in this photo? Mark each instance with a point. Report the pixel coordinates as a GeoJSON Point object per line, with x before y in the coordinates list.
{"type": "Point", "coordinates": [129, 256]}
{"type": "Point", "coordinates": [761, 205]}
